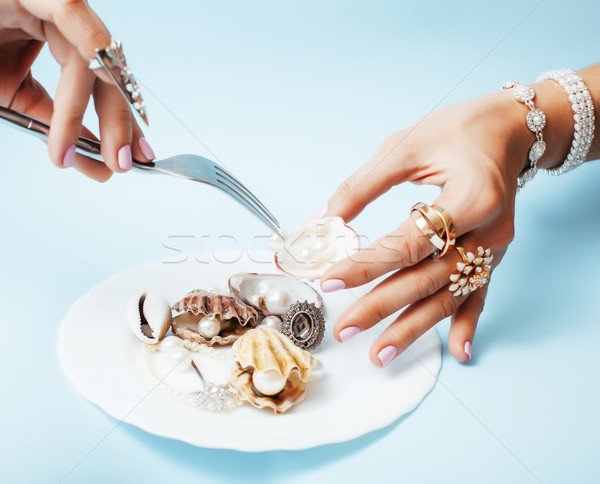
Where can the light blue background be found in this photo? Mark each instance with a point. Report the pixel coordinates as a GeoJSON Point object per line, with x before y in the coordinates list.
{"type": "Point", "coordinates": [292, 97]}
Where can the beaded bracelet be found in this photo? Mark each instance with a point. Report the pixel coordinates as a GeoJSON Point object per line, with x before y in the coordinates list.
{"type": "Point", "coordinates": [536, 120]}
{"type": "Point", "coordinates": [583, 108]}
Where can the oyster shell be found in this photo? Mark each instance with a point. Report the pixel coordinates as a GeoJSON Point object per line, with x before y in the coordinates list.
{"type": "Point", "coordinates": [267, 351]}
{"type": "Point", "coordinates": [272, 294]}
{"type": "Point", "coordinates": [314, 247]}
{"type": "Point", "coordinates": [149, 317]}
{"type": "Point", "coordinates": [234, 316]}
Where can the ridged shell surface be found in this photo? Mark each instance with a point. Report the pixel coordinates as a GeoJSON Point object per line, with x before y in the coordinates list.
{"type": "Point", "coordinates": [235, 316]}
{"type": "Point", "coordinates": [264, 349]}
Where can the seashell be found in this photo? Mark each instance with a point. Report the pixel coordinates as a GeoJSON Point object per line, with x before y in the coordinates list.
{"type": "Point", "coordinates": [149, 317]}
{"type": "Point", "coordinates": [267, 361]}
{"type": "Point", "coordinates": [271, 294]}
{"type": "Point", "coordinates": [314, 247]}
{"type": "Point", "coordinates": [202, 309]}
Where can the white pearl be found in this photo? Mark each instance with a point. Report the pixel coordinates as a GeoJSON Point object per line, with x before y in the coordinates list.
{"type": "Point", "coordinates": [209, 327]}
{"type": "Point", "coordinates": [255, 300]}
{"type": "Point", "coordinates": [317, 371]}
{"type": "Point", "coordinates": [263, 287]}
{"type": "Point", "coordinates": [181, 358]}
{"type": "Point", "coordinates": [322, 244]}
{"type": "Point", "coordinates": [272, 322]}
{"type": "Point", "coordinates": [268, 382]}
{"type": "Point", "coordinates": [171, 342]}
{"type": "Point", "coordinates": [277, 301]}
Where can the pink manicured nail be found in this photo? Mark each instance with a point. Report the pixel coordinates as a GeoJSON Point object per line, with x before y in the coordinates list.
{"type": "Point", "coordinates": [124, 157]}
{"type": "Point", "coordinates": [468, 349]}
{"type": "Point", "coordinates": [386, 355]}
{"type": "Point", "coordinates": [318, 213]}
{"type": "Point", "coordinates": [69, 158]}
{"type": "Point", "coordinates": [348, 333]}
{"type": "Point", "coordinates": [333, 285]}
{"type": "Point", "coordinates": [146, 149]}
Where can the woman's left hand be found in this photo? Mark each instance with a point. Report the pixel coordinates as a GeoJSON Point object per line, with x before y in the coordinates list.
{"type": "Point", "coordinates": [474, 151]}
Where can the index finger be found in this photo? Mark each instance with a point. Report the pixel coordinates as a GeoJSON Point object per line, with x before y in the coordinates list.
{"type": "Point", "coordinates": [75, 20]}
{"type": "Point", "coordinates": [389, 166]}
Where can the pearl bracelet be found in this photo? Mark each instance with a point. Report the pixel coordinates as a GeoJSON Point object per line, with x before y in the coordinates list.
{"type": "Point", "coordinates": [536, 120]}
{"type": "Point", "coordinates": [583, 108]}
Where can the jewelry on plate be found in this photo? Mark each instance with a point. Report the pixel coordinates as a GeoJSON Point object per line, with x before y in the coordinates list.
{"type": "Point", "coordinates": [112, 60]}
{"type": "Point", "coordinates": [473, 271]}
{"type": "Point", "coordinates": [536, 120]}
{"type": "Point", "coordinates": [304, 324]}
{"type": "Point", "coordinates": [212, 397]}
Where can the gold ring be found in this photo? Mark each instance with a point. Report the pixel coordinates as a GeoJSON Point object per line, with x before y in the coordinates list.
{"type": "Point", "coordinates": [448, 229]}
{"type": "Point", "coordinates": [473, 271]}
{"type": "Point", "coordinates": [436, 224]}
{"type": "Point", "coordinates": [427, 229]}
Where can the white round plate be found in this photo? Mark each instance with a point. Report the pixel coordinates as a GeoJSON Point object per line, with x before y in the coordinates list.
{"type": "Point", "coordinates": [103, 359]}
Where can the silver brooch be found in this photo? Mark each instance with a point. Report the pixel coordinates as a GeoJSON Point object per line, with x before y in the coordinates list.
{"type": "Point", "coordinates": [304, 324]}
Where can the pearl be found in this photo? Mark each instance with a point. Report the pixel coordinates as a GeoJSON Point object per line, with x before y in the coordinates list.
{"type": "Point", "coordinates": [263, 287]}
{"type": "Point", "coordinates": [317, 371]}
{"type": "Point", "coordinates": [277, 301]}
{"type": "Point", "coordinates": [181, 358]}
{"type": "Point", "coordinates": [171, 342]}
{"type": "Point", "coordinates": [256, 300]}
{"type": "Point", "coordinates": [272, 322]}
{"type": "Point", "coordinates": [209, 327]}
{"type": "Point", "coordinates": [268, 382]}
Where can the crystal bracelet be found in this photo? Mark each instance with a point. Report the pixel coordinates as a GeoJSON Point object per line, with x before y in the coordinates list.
{"type": "Point", "coordinates": [583, 109]}
{"type": "Point", "coordinates": [536, 120]}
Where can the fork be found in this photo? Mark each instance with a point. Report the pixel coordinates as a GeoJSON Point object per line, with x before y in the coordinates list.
{"type": "Point", "coordinates": [192, 167]}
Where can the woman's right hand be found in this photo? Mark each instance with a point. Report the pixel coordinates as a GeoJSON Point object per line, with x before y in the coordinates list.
{"type": "Point", "coordinates": [73, 32]}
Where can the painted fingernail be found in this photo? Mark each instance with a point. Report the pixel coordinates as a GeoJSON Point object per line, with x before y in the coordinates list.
{"type": "Point", "coordinates": [386, 355]}
{"type": "Point", "coordinates": [348, 333]}
{"type": "Point", "coordinates": [146, 149]}
{"type": "Point", "coordinates": [468, 350]}
{"type": "Point", "coordinates": [333, 285]}
{"type": "Point", "coordinates": [318, 213]}
{"type": "Point", "coordinates": [69, 158]}
{"type": "Point", "coordinates": [124, 157]}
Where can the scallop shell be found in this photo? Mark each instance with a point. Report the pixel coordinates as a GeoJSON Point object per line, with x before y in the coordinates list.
{"type": "Point", "coordinates": [252, 288]}
{"type": "Point", "coordinates": [235, 316]}
{"type": "Point", "coordinates": [149, 317]}
{"type": "Point", "coordinates": [264, 349]}
{"type": "Point", "coordinates": [314, 247]}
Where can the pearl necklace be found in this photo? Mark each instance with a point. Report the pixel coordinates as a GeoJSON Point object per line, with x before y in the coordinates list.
{"type": "Point", "coordinates": [213, 397]}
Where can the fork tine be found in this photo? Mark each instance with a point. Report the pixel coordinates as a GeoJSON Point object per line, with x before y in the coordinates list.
{"type": "Point", "coordinates": [246, 203]}
{"type": "Point", "coordinates": [221, 172]}
{"type": "Point", "coordinates": [229, 177]}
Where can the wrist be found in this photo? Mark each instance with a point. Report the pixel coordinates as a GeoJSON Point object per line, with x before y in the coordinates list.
{"type": "Point", "coordinates": [518, 137]}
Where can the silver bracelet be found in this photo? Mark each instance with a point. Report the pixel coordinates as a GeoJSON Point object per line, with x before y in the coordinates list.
{"type": "Point", "coordinates": [583, 109]}
{"type": "Point", "coordinates": [536, 120]}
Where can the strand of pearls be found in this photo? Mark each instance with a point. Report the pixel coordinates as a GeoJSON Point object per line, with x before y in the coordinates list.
{"type": "Point", "coordinates": [583, 115]}
{"type": "Point", "coordinates": [205, 350]}
{"type": "Point", "coordinates": [212, 398]}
